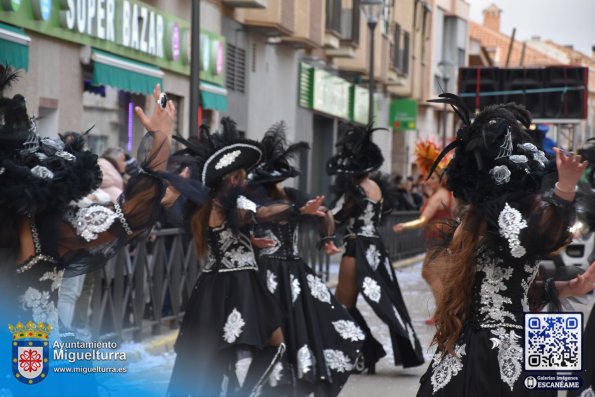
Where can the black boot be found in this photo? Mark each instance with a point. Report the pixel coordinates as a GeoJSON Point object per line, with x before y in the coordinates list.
{"type": "Point", "coordinates": [263, 363]}
{"type": "Point", "coordinates": [372, 350]}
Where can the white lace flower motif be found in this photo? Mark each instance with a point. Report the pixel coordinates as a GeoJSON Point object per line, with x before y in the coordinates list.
{"type": "Point", "coordinates": [539, 156]}
{"type": "Point", "coordinates": [337, 360]}
{"type": "Point", "coordinates": [90, 221]}
{"type": "Point", "coordinates": [445, 367]}
{"type": "Point", "coordinates": [42, 172]}
{"type": "Point", "coordinates": [527, 147]}
{"type": "Point", "coordinates": [500, 174]}
{"type": "Point", "coordinates": [276, 374]}
{"type": "Point", "coordinates": [511, 222]}
{"type": "Point", "coordinates": [348, 330]}
{"type": "Point", "coordinates": [318, 289]}
{"type": "Point", "coordinates": [295, 288]}
{"type": "Point", "coordinates": [518, 158]}
{"type": "Point", "coordinates": [371, 289]}
{"type": "Point", "coordinates": [227, 159]}
{"type": "Point", "coordinates": [233, 326]}
{"type": "Point", "coordinates": [373, 256]}
{"type": "Point", "coordinates": [271, 281]}
{"type": "Point", "coordinates": [304, 360]}
{"type": "Point", "coordinates": [65, 155]}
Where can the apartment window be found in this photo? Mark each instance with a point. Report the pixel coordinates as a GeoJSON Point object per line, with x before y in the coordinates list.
{"type": "Point", "coordinates": [397, 48]}
{"type": "Point", "coordinates": [333, 15]}
{"type": "Point", "coordinates": [236, 69]}
{"type": "Point", "coordinates": [405, 60]}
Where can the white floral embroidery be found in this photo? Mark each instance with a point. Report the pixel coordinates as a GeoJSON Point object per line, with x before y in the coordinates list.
{"type": "Point", "coordinates": [276, 374]}
{"type": "Point", "coordinates": [348, 330]}
{"type": "Point", "coordinates": [271, 281]}
{"type": "Point", "coordinates": [318, 289]}
{"type": "Point", "coordinates": [518, 158]}
{"type": "Point", "coordinates": [527, 147]}
{"type": "Point", "coordinates": [491, 299]}
{"type": "Point", "coordinates": [295, 288]}
{"type": "Point", "coordinates": [500, 174]}
{"type": "Point", "coordinates": [91, 220]}
{"type": "Point", "coordinates": [588, 392]}
{"type": "Point", "coordinates": [227, 159]}
{"type": "Point", "coordinates": [373, 256]}
{"type": "Point", "coordinates": [245, 204]}
{"type": "Point", "coordinates": [42, 172]}
{"type": "Point", "coordinates": [337, 360]}
{"type": "Point", "coordinates": [41, 306]}
{"type": "Point", "coordinates": [371, 289]}
{"type": "Point", "coordinates": [367, 219]}
{"type": "Point", "coordinates": [445, 367]}
{"type": "Point", "coordinates": [511, 222]}
{"type": "Point", "coordinates": [304, 360]}
{"type": "Point", "coordinates": [539, 156]}
{"type": "Point", "coordinates": [233, 326]}
{"type": "Point", "coordinates": [398, 316]}
{"type": "Point", "coordinates": [276, 244]}
{"type": "Point", "coordinates": [55, 276]}
{"type": "Point", "coordinates": [510, 355]}
{"type": "Point", "coordinates": [525, 284]}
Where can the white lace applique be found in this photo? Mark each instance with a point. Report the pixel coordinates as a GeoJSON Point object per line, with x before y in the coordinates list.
{"type": "Point", "coordinates": [367, 219]}
{"type": "Point", "coordinates": [373, 256]}
{"type": "Point", "coordinates": [532, 272]}
{"type": "Point", "coordinates": [491, 298]}
{"type": "Point", "coordinates": [271, 281]}
{"type": "Point", "coordinates": [510, 355]}
{"type": "Point", "coordinates": [42, 172]}
{"type": "Point", "coordinates": [398, 316]}
{"type": "Point", "coordinates": [539, 156]}
{"type": "Point", "coordinates": [588, 392]}
{"type": "Point", "coordinates": [445, 367]}
{"type": "Point", "coordinates": [276, 374]}
{"type": "Point", "coordinates": [245, 204]}
{"type": "Point", "coordinates": [337, 360]}
{"type": "Point", "coordinates": [41, 306]}
{"type": "Point", "coordinates": [500, 174]}
{"type": "Point", "coordinates": [296, 235]}
{"type": "Point", "coordinates": [55, 276]}
{"type": "Point", "coordinates": [227, 159]}
{"type": "Point", "coordinates": [371, 289]}
{"type": "Point", "coordinates": [318, 289]}
{"type": "Point", "coordinates": [506, 147]}
{"type": "Point", "coordinates": [295, 288]}
{"type": "Point", "coordinates": [511, 223]}
{"type": "Point", "coordinates": [91, 220]}
{"type": "Point", "coordinates": [276, 244]}
{"type": "Point", "coordinates": [240, 256]}
{"type": "Point", "coordinates": [304, 360]}
{"type": "Point", "coordinates": [348, 330]}
{"type": "Point", "coordinates": [233, 326]}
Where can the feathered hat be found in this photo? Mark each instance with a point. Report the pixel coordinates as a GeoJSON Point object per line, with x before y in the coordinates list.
{"type": "Point", "coordinates": [356, 153]}
{"type": "Point", "coordinates": [494, 155]}
{"type": "Point", "coordinates": [39, 174]}
{"type": "Point", "coordinates": [275, 166]}
{"type": "Point", "coordinates": [215, 155]}
{"type": "Point", "coordinates": [426, 152]}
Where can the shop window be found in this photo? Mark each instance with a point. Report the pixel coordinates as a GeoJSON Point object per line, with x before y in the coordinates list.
{"type": "Point", "coordinates": [97, 143]}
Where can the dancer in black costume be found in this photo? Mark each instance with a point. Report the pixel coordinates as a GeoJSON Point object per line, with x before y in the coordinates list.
{"type": "Point", "coordinates": [230, 309]}
{"type": "Point", "coordinates": [492, 257]}
{"type": "Point", "coordinates": [362, 198]}
{"type": "Point", "coordinates": [322, 340]}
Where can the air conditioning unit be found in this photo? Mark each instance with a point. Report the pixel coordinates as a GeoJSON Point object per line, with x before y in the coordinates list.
{"type": "Point", "coordinates": [246, 3]}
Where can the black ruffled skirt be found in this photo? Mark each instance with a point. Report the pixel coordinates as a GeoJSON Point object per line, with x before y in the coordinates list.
{"type": "Point", "coordinates": [323, 342]}
{"type": "Point", "coordinates": [227, 311]}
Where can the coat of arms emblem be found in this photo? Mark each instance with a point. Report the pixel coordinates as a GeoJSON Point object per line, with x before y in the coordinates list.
{"type": "Point", "coordinates": [30, 351]}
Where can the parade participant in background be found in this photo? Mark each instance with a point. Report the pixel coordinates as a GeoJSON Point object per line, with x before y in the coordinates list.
{"type": "Point", "coordinates": [361, 200]}
{"type": "Point", "coordinates": [322, 340]}
{"type": "Point", "coordinates": [492, 257]}
{"type": "Point", "coordinates": [42, 234]}
{"type": "Point", "coordinates": [435, 210]}
{"type": "Point", "coordinates": [230, 309]}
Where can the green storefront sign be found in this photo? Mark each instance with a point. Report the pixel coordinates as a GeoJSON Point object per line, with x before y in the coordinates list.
{"type": "Point", "coordinates": [128, 28]}
{"type": "Point", "coordinates": [403, 114]}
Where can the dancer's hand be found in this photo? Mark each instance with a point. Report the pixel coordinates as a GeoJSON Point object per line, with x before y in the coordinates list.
{"type": "Point", "coordinates": [312, 207]}
{"type": "Point", "coordinates": [570, 168]}
{"type": "Point", "coordinates": [262, 242]}
{"type": "Point", "coordinates": [331, 249]}
{"type": "Point", "coordinates": [398, 228]}
{"type": "Point", "coordinates": [581, 284]}
{"type": "Point", "coordinates": [161, 120]}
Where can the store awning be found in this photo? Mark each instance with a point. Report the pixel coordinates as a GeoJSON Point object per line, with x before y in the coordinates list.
{"type": "Point", "coordinates": [124, 73]}
{"type": "Point", "coordinates": [213, 97]}
{"type": "Point", "coordinates": [14, 47]}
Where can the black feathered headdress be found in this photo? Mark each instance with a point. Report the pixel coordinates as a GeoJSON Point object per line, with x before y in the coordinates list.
{"type": "Point", "coordinates": [356, 153]}
{"type": "Point", "coordinates": [494, 154]}
{"type": "Point", "coordinates": [218, 154]}
{"type": "Point", "coordinates": [275, 166]}
{"type": "Point", "coordinates": [39, 174]}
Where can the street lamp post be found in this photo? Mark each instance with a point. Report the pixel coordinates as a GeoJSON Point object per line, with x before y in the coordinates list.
{"type": "Point", "coordinates": [445, 71]}
{"type": "Point", "coordinates": [372, 10]}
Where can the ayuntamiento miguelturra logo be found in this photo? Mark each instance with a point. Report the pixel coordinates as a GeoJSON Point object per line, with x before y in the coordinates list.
{"type": "Point", "coordinates": [30, 351]}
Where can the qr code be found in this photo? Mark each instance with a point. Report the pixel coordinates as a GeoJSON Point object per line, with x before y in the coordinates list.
{"type": "Point", "coordinates": [553, 341]}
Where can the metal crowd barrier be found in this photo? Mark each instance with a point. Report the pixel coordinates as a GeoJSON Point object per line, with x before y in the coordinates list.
{"type": "Point", "coordinates": [148, 284]}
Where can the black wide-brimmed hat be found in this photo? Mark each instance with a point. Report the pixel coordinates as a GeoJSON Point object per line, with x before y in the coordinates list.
{"type": "Point", "coordinates": [495, 155]}
{"type": "Point", "coordinates": [218, 154]}
{"type": "Point", "coordinates": [277, 154]}
{"type": "Point", "coordinates": [39, 174]}
{"type": "Point", "coordinates": [356, 153]}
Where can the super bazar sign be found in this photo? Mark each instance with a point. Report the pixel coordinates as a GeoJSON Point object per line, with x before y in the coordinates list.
{"type": "Point", "coordinates": [124, 27]}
